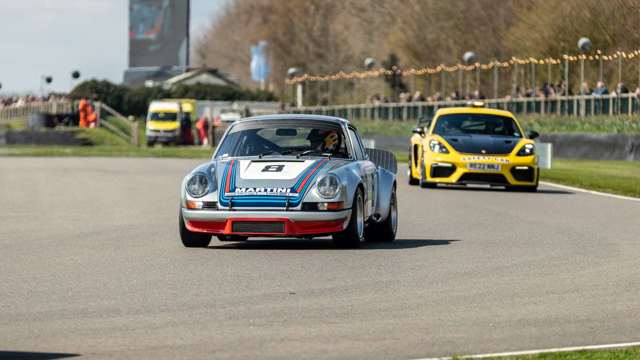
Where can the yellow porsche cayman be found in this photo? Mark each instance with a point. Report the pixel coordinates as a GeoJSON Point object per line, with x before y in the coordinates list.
{"type": "Point", "coordinates": [473, 145]}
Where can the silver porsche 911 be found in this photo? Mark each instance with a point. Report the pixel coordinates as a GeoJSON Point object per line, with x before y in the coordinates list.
{"type": "Point", "coordinates": [295, 175]}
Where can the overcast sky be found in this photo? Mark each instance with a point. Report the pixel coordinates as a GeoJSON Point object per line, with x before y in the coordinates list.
{"type": "Point", "coordinates": [55, 37]}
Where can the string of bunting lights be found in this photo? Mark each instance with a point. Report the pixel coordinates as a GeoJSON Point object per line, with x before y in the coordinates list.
{"type": "Point", "coordinates": [341, 75]}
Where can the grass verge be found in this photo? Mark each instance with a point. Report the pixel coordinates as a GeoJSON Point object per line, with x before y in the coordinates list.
{"type": "Point", "coordinates": [615, 354]}
{"type": "Point", "coordinates": [616, 177]}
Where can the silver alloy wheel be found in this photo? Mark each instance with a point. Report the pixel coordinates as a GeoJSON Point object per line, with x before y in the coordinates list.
{"type": "Point", "coordinates": [360, 218]}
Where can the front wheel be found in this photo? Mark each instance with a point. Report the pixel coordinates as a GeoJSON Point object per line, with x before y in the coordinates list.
{"type": "Point", "coordinates": [385, 231]}
{"type": "Point", "coordinates": [423, 178]}
{"type": "Point", "coordinates": [192, 239]}
{"type": "Point", "coordinates": [353, 235]}
{"type": "Point", "coordinates": [412, 180]}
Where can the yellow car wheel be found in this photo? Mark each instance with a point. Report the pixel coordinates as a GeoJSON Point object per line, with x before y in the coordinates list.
{"type": "Point", "coordinates": [412, 180]}
{"type": "Point", "coordinates": [423, 178]}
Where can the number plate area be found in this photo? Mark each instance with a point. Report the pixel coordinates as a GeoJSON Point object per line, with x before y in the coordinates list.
{"type": "Point", "coordinates": [258, 227]}
{"type": "Point", "coordinates": [483, 167]}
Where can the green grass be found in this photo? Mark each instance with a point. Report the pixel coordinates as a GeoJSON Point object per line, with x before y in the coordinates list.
{"type": "Point", "coordinates": [617, 354]}
{"type": "Point", "coordinates": [98, 136]}
{"type": "Point", "coordinates": [543, 124]}
{"type": "Point", "coordinates": [16, 124]}
{"type": "Point", "coordinates": [617, 177]}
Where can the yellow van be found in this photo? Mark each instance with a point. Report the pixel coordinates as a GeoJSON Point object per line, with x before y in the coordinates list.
{"type": "Point", "coordinates": [164, 119]}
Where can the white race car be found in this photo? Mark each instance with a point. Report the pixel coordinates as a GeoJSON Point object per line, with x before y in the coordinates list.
{"type": "Point", "coordinates": [291, 176]}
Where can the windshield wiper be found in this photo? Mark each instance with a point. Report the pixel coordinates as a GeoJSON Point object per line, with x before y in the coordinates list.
{"type": "Point", "coordinates": [314, 152]}
{"type": "Point", "coordinates": [267, 153]}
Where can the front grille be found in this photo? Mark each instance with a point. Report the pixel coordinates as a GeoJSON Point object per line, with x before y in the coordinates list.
{"type": "Point", "coordinates": [525, 175]}
{"type": "Point", "coordinates": [480, 178]}
{"type": "Point", "coordinates": [442, 171]}
{"type": "Point", "coordinates": [258, 227]}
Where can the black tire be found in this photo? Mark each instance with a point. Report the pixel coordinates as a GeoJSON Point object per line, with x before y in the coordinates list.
{"type": "Point", "coordinates": [385, 231]}
{"type": "Point", "coordinates": [232, 238]}
{"type": "Point", "coordinates": [412, 180]}
{"type": "Point", "coordinates": [192, 239]}
{"type": "Point", "coordinates": [353, 235]}
{"type": "Point", "coordinates": [423, 178]}
{"type": "Point", "coordinates": [150, 143]}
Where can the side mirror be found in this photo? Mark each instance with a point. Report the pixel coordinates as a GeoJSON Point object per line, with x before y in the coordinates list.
{"type": "Point", "coordinates": [533, 134]}
{"type": "Point", "coordinates": [418, 130]}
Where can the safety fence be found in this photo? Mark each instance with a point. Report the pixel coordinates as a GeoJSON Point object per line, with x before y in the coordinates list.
{"type": "Point", "coordinates": [107, 118]}
{"type": "Point", "coordinates": [48, 107]}
{"type": "Point", "coordinates": [624, 104]}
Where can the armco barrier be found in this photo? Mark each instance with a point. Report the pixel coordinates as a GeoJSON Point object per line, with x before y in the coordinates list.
{"type": "Point", "coordinates": [594, 146]}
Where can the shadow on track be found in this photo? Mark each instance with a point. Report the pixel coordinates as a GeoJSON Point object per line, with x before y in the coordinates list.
{"type": "Point", "coordinates": [502, 190]}
{"type": "Point", "coordinates": [28, 355]}
{"type": "Point", "coordinates": [324, 244]}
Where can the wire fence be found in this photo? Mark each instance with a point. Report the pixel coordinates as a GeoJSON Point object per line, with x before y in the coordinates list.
{"type": "Point", "coordinates": [624, 104]}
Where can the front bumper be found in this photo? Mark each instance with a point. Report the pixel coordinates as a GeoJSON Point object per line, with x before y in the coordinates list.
{"type": "Point", "coordinates": [514, 171]}
{"type": "Point", "coordinates": [290, 223]}
{"type": "Point", "coordinates": [163, 136]}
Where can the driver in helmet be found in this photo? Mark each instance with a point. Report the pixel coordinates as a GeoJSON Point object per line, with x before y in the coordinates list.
{"type": "Point", "coordinates": [324, 141]}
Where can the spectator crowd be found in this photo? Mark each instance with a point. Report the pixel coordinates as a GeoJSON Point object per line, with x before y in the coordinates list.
{"type": "Point", "coordinates": [547, 90]}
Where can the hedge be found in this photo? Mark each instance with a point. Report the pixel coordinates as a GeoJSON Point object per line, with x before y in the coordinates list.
{"type": "Point", "coordinates": [135, 100]}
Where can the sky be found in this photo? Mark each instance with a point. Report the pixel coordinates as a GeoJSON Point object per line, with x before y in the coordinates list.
{"type": "Point", "coordinates": [55, 37]}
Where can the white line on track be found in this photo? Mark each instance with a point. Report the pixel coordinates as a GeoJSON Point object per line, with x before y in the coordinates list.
{"type": "Point", "coordinates": [540, 351]}
{"type": "Point", "coordinates": [621, 197]}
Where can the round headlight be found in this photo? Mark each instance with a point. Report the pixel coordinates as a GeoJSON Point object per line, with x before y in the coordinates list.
{"type": "Point", "coordinates": [328, 186]}
{"type": "Point", "coordinates": [198, 185]}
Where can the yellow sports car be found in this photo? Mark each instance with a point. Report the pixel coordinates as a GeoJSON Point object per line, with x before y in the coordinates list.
{"type": "Point", "coordinates": [473, 145]}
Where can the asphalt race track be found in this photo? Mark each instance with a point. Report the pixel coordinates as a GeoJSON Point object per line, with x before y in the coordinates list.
{"type": "Point", "coordinates": [92, 265]}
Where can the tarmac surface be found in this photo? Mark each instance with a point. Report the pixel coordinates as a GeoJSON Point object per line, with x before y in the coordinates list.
{"type": "Point", "coordinates": [92, 265]}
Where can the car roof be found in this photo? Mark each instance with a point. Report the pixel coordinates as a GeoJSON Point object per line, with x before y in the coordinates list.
{"type": "Point", "coordinates": [473, 110]}
{"type": "Point", "coordinates": [296, 117]}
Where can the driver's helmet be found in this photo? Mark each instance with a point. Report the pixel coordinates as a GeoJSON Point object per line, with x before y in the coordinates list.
{"type": "Point", "coordinates": [324, 140]}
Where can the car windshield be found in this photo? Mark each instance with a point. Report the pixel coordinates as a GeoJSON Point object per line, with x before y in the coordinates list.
{"type": "Point", "coordinates": [476, 124]}
{"type": "Point", "coordinates": [295, 138]}
{"type": "Point", "coordinates": [163, 116]}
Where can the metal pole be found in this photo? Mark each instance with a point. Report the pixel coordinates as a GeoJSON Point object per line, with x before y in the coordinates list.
{"type": "Point", "coordinates": [533, 79]}
{"type": "Point", "coordinates": [581, 75]}
{"type": "Point", "coordinates": [619, 69]}
{"type": "Point", "coordinates": [495, 81]}
{"type": "Point", "coordinates": [478, 78]}
{"type": "Point", "coordinates": [466, 85]}
{"type": "Point", "coordinates": [566, 76]}
{"type": "Point", "coordinates": [460, 81]}
{"type": "Point", "coordinates": [549, 73]}
{"type": "Point", "coordinates": [600, 77]}
{"type": "Point", "coordinates": [514, 85]}
{"type": "Point", "coordinates": [443, 85]}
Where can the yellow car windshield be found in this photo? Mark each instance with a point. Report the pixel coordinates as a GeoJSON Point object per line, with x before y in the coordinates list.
{"type": "Point", "coordinates": [476, 124]}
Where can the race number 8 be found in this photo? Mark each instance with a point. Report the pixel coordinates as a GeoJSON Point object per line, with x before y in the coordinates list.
{"type": "Point", "coordinates": [273, 168]}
